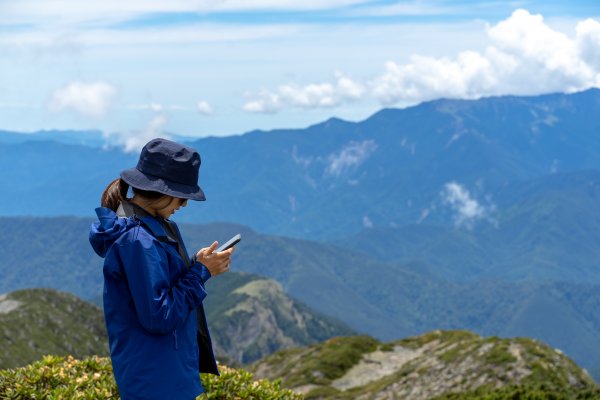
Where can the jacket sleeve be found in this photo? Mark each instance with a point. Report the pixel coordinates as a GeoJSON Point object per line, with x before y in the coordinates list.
{"type": "Point", "coordinates": [161, 307]}
{"type": "Point", "coordinates": [204, 272]}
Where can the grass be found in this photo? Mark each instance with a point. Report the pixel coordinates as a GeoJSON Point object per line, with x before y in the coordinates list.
{"type": "Point", "coordinates": [499, 354]}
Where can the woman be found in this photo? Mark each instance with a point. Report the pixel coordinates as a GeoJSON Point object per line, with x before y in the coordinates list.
{"type": "Point", "coordinates": [153, 292]}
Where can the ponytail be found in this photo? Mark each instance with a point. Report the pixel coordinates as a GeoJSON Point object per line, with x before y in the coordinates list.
{"type": "Point", "coordinates": [115, 192]}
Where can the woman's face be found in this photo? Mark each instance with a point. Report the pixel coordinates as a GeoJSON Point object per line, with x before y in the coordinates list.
{"type": "Point", "coordinates": [167, 205]}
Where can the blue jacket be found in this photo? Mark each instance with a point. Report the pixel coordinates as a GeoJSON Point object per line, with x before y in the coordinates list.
{"type": "Point", "coordinates": [150, 302]}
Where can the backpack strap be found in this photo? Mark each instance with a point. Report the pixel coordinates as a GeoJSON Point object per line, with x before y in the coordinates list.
{"type": "Point", "coordinates": [130, 210]}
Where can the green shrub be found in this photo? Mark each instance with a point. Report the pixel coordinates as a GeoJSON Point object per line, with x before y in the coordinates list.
{"type": "Point", "coordinates": [60, 378]}
{"type": "Point", "coordinates": [55, 378]}
{"type": "Point", "coordinates": [236, 384]}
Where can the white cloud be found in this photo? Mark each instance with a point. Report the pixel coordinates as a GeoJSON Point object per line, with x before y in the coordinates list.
{"type": "Point", "coordinates": [69, 12]}
{"type": "Point", "coordinates": [467, 209]}
{"type": "Point", "coordinates": [524, 56]}
{"type": "Point", "coordinates": [88, 99]}
{"type": "Point", "coordinates": [306, 97]}
{"type": "Point", "coordinates": [351, 155]}
{"type": "Point", "coordinates": [588, 39]}
{"type": "Point", "coordinates": [265, 102]}
{"type": "Point", "coordinates": [204, 108]}
{"type": "Point", "coordinates": [244, 54]}
{"type": "Point", "coordinates": [133, 141]}
{"type": "Point", "coordinates": [424, 214]}
{"type": "Point", "coordinates": [428, 78]}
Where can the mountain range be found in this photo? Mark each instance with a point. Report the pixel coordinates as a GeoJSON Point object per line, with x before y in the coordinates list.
{"type": "Point", "coordinates": [251, 318]}
{"type": "Point", "coordinates": [330, 180]}
{"type": "Point", "coordinates": [384, 299]}
{"type": "Point", "coordinates": [453, 214]}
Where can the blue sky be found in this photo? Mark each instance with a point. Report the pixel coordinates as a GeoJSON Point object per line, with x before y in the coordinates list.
{"type": "Point", "coordinates": [134, 69]}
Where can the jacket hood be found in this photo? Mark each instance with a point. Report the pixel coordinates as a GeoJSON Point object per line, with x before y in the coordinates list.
{"type": "Point", "coordinates": [109, 228]}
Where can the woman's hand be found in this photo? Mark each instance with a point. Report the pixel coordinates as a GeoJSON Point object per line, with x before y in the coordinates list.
{"type": "Point", "coordinates": [216, 263]}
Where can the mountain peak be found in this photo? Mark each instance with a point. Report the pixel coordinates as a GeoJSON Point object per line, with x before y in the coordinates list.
{"type": "Point", "coordinates": [252, 317]}
{"type": "Point", "coordinates": [332, 124]}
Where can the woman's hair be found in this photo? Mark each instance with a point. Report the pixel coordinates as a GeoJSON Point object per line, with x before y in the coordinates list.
{"type": "Point", "coordinates": [116, 192]}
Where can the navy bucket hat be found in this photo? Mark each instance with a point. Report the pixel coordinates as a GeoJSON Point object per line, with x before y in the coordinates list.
{"type": "Point", "coordinates": [168, 168]}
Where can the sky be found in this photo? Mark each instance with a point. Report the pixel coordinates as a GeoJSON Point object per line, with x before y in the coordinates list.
{"type": "Point", "coordinates": [135, 69]}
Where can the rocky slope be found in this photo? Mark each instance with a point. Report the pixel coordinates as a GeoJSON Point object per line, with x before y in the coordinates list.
{"type": "Point", "coordinates": [251, 317]}
{"type": "Point", "coordinates": [440, 363]}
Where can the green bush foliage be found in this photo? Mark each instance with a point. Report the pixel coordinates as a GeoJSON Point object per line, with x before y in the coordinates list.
{"type": "Point", "coordinates": [236, 384]}
{"type": "Point", "coordinates": [60, 378]}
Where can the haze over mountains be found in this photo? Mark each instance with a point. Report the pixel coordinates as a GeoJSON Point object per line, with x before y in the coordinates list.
{"type": "Point", "coordinates": [481, 215]}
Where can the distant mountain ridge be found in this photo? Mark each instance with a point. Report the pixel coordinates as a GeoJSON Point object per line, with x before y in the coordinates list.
{"type": "Point", "coordinates": [387, 170]}
{"type": "Point", "coordinates": [90, 138]}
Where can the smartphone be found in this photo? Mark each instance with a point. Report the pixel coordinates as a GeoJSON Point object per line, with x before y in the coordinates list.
{"type": "Point", "coordinates": [230, 243]}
